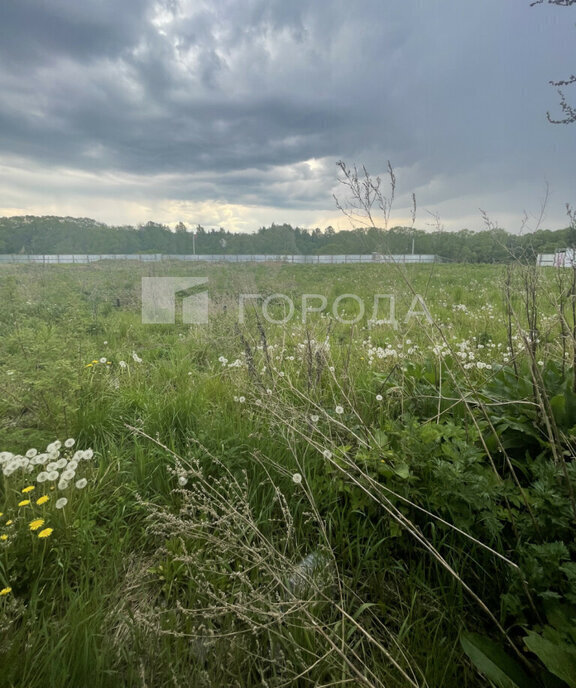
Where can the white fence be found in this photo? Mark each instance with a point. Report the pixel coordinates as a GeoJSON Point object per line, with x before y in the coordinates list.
{"type": "Point", "coordinates": [48, 259]}
{"type": "Point", "coordinates": [565, 258]}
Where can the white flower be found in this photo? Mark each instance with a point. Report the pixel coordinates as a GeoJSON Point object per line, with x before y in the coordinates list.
{"type": "Point", "coordinates": [42, 477]}
{"type": "Point", "coordinates": [31, 453]}
{"type": "Point", "coordinates": [339, 410]}
{"type": "Point", "coordinates": [61, 503]}
{"type": "Point", "coordinates": [52, 466]}
{"type": "Point", "coordinates": [81, 484]}
{"type": "Point", "coordinates": [314, 418]}
{"type": "Point", "coordinates": [63, 484]}
{"type": "Point", "coordinates": [297, 478]}
{"type": "Point", "coordinates": [103, 359]}
{"type": "Point", "coordinates": [122, 364]}
{"type": "Point", "coordinates": [61, 463]}
{"type": "Point", "coordinates": [70, 443]}
{"type": "Point", "coordinates": [379, 397]}
{"type": "Point", "coordinates": [327, 454]}
{"type": "Point", "coordinates": [53, 475]}
{"type": "Point", "coordinates": [136, 357]}
{"type": "Point", "coordinates": [182, 480]}
{"type": "Point", "coordinates": [88, 454]}
{"type": "Point", "coordinates": [68, 475]}
{"type": "Point", "coordinates": [72, 465]}
{"type": "Point", "coordinates": [241, 400]}
{"type": "Point", "coordinates": [53, 447]}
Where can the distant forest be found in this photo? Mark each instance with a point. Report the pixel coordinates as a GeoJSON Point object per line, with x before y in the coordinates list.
{"type": "Point", "coordinates": [52, 235]}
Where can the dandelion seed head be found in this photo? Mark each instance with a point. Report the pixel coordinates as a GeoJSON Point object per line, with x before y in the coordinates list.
{"type": "Point", "coordinates": [297, 478]}
{"type": "Point", "coordinates": [61, 503]}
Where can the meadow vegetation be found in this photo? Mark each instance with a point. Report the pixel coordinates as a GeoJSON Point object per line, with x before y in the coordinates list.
{"type": "Point", "coordinates": [307, 503]}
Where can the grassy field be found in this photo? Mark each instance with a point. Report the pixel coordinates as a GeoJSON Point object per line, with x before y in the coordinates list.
{"type": "Point", "coordinates": [302, 503]}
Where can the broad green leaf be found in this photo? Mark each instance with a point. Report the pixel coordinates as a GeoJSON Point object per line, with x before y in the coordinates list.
{"type": "Point", "coordinates": [558, 657]}
{"type": "Point", "coordinates": [494, 663]}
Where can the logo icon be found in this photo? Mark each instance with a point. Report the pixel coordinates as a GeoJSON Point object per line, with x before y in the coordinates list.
{"type": "Point", "coordinates": [168, 300]}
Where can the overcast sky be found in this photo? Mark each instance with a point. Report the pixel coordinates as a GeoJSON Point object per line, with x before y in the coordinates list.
{"type": "Point", "coordinates": [234, 113]}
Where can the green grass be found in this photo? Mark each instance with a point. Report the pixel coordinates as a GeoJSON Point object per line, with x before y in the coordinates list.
{"type": "Point", "coordinates": [432, 417]}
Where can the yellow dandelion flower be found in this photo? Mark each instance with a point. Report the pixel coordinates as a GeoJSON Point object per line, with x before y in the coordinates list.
{"type": "Point", "coordinates": [43, 499]}
{"type": "Point", "coordinates": [10, 522]}
{"type": "Point", "coordinates": [28, 489]}
{"type": "Point", "coordinates": [89, 365]}
{"type": "Point", "coordinates": [95, 361]}
{"type": "Point", "coordinates": [3, 537]}
{"type": "Point", "coordinates": [24, 502]}
{"type": "Point", "coordinates": [36, 523]}
{"type": "Point", "coordinates": [5, 591]}
{"type": "Point", "coordinates": [47, 532]}
{"type": "Point", "coordinates": [1, 513]}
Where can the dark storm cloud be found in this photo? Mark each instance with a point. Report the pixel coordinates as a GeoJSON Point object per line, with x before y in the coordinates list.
{"type": "Point", "coordinates": [225, 96]}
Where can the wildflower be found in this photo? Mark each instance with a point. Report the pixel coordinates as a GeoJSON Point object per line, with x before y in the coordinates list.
{"type": "Point", "coordinates": [182, 480]}
{"type": "Point", "coordinates": [53, 475]}
{"type": "Point", "coordinates": [327, 454]}
{"type": "Point", "coordinates": [24, 502]}
{"type": "Point", "coordinates": [36, 523]}
{"type": "Point", "coordinates": [61, 503]}
{"type": "Point", "coordinates": [31, 453]}
{"type": "Point", "coordinates": [88, 454]}
{"type": "Point", "coordinates": [63, 484]}
{"type": "Point", "coordinates": [314, 418]}
{"type": "Point", "coordinates": [379, 397]}
{"type": "Point", "coordinates": [339, 410]}
{"type": "Point", "coordinates": [9, 522]}
{"type": "Point", "coordinates": [5, 591]}
{"type": "Point", "coordinates": [136, 358]}
{"type": "Point", "coordinates": [42, 500]}
{"type": "Point", "coordinates": [47, 532]}
{"type": "Point", "coordinates": [122, 364]}
{"type": "Point", "coordinates": [297, 478]}
{"type": "Point", "coordinates": [81, 484]}
{"type": "Point", "coordinates": [42, 477]}
{"type": "Point", "coordinates": [103, 359]}
{"type": "Point", "coordinates": [3, 537]}
{"type": "Point", "coordinates": [28, 489]}
{"type": "Point", "coordinates": [241, 399]}
{"type": "Point", "coordinates": [88, 365]}
{"type": "Point", "coordinates": [68, 474]}
{"type": "Point", "coordinates": [70, 443]}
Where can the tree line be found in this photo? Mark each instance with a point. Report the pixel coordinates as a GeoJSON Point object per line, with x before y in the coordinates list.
{"type": "Point", "coordinates": [59, 235]}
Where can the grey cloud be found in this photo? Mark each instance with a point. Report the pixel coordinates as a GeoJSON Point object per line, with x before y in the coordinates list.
{"type": "Point", "coordinates": [226, 95]}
